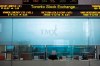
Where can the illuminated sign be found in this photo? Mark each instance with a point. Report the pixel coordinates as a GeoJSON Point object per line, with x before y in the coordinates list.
{"type": "Point", "coordinates": [50, 10]}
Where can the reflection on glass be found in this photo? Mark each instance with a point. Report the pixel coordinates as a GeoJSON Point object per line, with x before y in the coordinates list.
{"type": "Point", "coordinates": [36, 52]}
{"type": "Point", "coordinates": [70, 38]}
{"type": "Point", "coordinates": [25, 52]}
{"type": "Point", "coordinates": [9, 49]}
{"type": "Point", "coordinates": [2, 52]}
{"type": "Point", "coordinates": [16, 52]}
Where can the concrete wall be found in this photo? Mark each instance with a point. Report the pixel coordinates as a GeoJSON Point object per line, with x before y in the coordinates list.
{"type": "Point", "coordinates": [51, 63]}
{"type": "Point", "coordinates": [10, 1]}
{"type": "Point", "coordinates": [94, 63]}
{"type": "Point", "coordinates": [20, 1]}
{"type": "Point", "coordinates": [5, 63]}
{"type": "Point", "coordinates": [89, 1]}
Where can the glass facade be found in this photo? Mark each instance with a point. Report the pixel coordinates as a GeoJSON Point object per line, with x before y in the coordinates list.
{"type": "Point", "coordinates": [32, 39]}
{"type": "Point", "coordinates": [32, 52]}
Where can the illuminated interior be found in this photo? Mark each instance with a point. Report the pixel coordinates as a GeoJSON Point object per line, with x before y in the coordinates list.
{"type": "Point", "coordinates": [37, 38]}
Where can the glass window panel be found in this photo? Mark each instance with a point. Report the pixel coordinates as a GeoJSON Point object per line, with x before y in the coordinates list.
{"type": "Point", "coordinates": [6, 37]}
{"type": "Point", "coordinates": [25, 52]}
{"type": "Point", "coordinates": [39, 51]}
{"type": "Point", "coordinates": [95, 31]}
{"type": "Point", "coordinates": [59, 32]}
{"type": "Point", "coordinates": [2, 52]}
{"type": "Point", "coordinates": [5, 31]}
